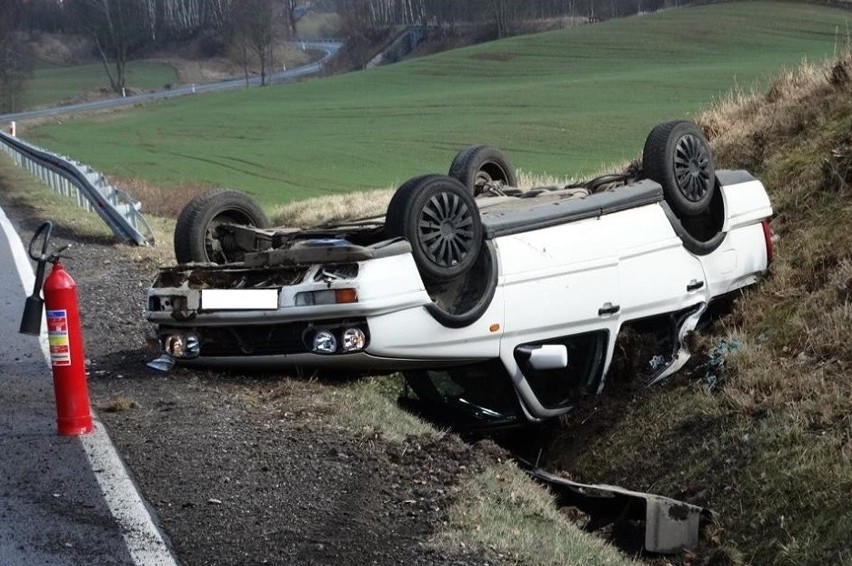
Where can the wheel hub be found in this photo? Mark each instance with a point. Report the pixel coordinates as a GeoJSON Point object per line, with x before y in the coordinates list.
{"type": "Point", "coordinates": [445, 229]}
{"type": "Point", "coordinates": [691, 165]}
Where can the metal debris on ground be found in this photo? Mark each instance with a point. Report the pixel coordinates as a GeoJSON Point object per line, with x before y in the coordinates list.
{"type": "Point", "coordinates": [657, 362]}
{"type": "Point", "coordinates": [714, 375]}
{"type": "Point", "coordinates": [665, 525]}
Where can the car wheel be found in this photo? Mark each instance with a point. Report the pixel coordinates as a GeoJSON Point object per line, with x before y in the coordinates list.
{"type": "Point", "coordinates": [196, 235]}
{"type": "Point", "coordinates": [480, 165]}
{"type": "Point", "coordinates": [677, 156]}
{"type": "Point", "coordinates": [440, 219]}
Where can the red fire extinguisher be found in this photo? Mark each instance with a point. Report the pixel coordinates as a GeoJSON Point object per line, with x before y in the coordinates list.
{"type": "Point", "coordinates": [74, 415]}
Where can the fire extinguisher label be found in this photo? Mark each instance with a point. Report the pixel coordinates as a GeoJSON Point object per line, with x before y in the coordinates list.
{"type": "Point", "coordinates": [57, 337]}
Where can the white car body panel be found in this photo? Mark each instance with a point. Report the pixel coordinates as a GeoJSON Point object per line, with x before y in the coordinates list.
{"type": "Point", "coordinates": [746, 205]}
{"type": "Point", "coordinates": [582, 276]}
{"type": "Point", "coordinates": [415, 333]}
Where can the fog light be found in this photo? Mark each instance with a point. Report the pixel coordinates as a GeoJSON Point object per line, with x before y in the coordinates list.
{"type": "Point", "coordinates": [185, 346]}
{"type": "Point", "coordinates": [325, 342]}
{"type": "Point", "coordinates": [353, 340]}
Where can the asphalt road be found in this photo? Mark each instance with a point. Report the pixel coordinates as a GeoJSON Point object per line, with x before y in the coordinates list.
{"type": "Point", "coordinates": [65, 500]}
{"type": "Point", "coordinates": [329, 48]}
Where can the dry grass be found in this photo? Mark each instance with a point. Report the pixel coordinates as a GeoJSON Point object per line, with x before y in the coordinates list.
{"type": "Point", "coordinates": [333, 208]}
{"type": "Point", "coordinates": [373, 204]}
{"type": "Point", "coordinates": [771, 450]}
{"type": "Point", "coordinates": [365, 408]}
{"type": "Point", "coordinates": [798, 136]}
{"type": "Point", "coordinates": [747, 129]}
{"type": "Point", "coordinates": [166, 202]}
{"type": "Point", "coordinates": [119, 405]}
{"type": "Point", "coordinates": [368, 407]}
{"type": "Point", "coordinates": [502, 510]}
{"type": "Point", "coordinates": [789, 389]}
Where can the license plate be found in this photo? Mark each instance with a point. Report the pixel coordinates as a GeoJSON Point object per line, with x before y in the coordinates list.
{"type": "Point", "coordinates": [239, 299]}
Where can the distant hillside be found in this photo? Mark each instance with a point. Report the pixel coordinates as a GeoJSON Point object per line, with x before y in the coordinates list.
{"type": "Point", "coordinates": [564, 102]}
{"type": "Point", "coordinates": [770, 447]}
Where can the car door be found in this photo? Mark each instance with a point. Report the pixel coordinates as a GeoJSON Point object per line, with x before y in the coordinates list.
{"type": "Point", "coordinates": [656, 273]}
{"type": "Point", "coordinates": [559, 283]}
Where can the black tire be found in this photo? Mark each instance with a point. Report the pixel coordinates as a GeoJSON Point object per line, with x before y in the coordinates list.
{"type": "Point", "coordinates": [480, 165]}
{"type": "Point", "coordinates": [677, 156]}
{"type": "Point", "coordinates": [440, 219]}
{"type": "Point", "coordinates": [196, 239]}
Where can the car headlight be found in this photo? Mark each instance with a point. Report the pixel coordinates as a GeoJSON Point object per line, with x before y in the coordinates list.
{"type": "Point", "coordinates": [324, 342]}
{"type": "Point", "coordinates": [341, 338]}
{"type": "Point", "coordinates": [353, 340]}
{"type": "Point", "coordinates": [184, 345]}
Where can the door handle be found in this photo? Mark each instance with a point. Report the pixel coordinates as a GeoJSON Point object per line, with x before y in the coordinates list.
{"type": "Point", "coordinates": [694, 285]}
{"type": "Point", "coordinates": [608, 309]}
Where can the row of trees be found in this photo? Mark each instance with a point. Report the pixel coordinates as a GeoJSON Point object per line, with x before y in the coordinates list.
{"type": "Point", "coordinates": [154, 19]}
{"type": "Point", "coordinates": [504, 15]}
{"type": "Point", "coordinates": [120, 29]}
{"type": "Point", "coordinates": [13, 68]}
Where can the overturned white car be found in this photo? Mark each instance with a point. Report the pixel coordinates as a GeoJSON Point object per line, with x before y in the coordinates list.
{"type": "Point", "coordinates": [497, 301]}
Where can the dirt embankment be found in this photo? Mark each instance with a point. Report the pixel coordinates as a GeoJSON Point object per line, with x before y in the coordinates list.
{"type": "Point", "coordinates": [767, 443]}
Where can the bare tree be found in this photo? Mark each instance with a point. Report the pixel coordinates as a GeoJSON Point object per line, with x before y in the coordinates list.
{"type": "Point", "coordinates": [117, 27]}
{"type": "Point", "coordinates": [253, 21]}
{"type": "Point", "coordinates": [219, 16]}
{"type": "Point", "coordinates": [291, 11]}
{"type": "Point", "coordinates": [501, 16]}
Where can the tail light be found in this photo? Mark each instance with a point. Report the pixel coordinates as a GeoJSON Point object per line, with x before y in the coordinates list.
{"type": "Point", "coordinates": [767, 237]}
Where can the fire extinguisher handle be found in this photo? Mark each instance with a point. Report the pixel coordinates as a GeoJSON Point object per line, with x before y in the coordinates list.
{"type": "Point", "coordinates": [47, 228]}
{"type": "Point", "coordinates": [45, 257]}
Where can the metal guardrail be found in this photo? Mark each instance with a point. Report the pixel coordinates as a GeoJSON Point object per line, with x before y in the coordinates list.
{"type": "Point", "coordinates": [67, 177]}
{"type": "Point", "coordinates": [119, 210]}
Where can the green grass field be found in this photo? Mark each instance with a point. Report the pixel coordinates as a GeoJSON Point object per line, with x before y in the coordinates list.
{"type": "Point", "coordinates": [563, 102]}
{"type": "Point", "coordinates": [52, 85]}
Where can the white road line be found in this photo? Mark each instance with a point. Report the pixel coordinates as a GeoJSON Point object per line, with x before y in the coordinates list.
{"type": "Point", "coordinates": [142, 537]}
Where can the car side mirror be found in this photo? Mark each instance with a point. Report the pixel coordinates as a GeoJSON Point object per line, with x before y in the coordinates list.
{"type": "Point", "coordinates": [549, 356]}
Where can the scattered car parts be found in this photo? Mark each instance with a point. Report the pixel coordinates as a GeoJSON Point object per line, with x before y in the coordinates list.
{"type": "Point", "coordinates": [668, 525]}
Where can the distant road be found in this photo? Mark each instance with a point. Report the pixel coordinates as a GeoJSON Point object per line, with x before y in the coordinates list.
{"type": "Point", "coordinates": [330, 48]}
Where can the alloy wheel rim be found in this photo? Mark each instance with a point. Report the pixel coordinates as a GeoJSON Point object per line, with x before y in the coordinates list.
{"type": "Point", "coordinates": [445, 228]}
{"type": "Point", "coordinates": [692, 168]}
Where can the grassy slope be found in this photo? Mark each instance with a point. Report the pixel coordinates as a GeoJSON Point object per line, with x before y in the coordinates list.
{"type": "Point", "coordinates": [52, 85]}
{"type": "Point", "coordinates": [558, 102]}
{"type": "Point", "coordinates": [772, 449]}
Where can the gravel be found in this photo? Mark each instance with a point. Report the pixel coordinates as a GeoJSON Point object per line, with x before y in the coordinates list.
{"type": "Point", "coordinates": [239, 476]}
